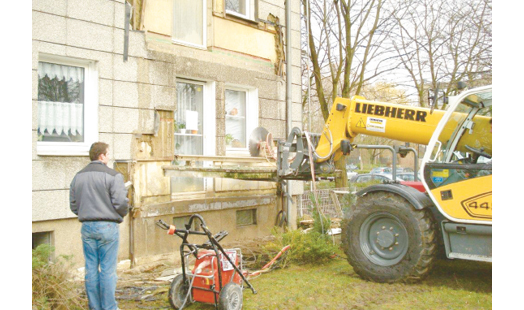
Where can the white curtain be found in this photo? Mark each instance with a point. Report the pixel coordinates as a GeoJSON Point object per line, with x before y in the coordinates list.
{"type": "Point", "coordinates": [61, 117]}
{"type": "Point", "coordinates": [236, 116]}
{"type": "Point", "coordinates": [67, 73]}
{"type": "Point", "coordinates": [65, 118]}
{"type": "Point", "coordinates": [188, 21]}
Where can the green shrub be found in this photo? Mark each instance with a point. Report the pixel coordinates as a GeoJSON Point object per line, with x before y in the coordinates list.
{"type": "Point", "coordinates": [52, 287]}
{"type": "Point", "coordinates": [321, 222]}
{"type": "Point", "coordinates": [312, 247]}
{"type": "Point", "coordinates": [305, 248]}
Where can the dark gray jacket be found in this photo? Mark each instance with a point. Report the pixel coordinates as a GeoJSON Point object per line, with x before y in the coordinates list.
{"type": "Point", "coordinates": [98, 193]}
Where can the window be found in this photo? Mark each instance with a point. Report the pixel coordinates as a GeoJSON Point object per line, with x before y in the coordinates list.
{"type": "Point", "coordinates": [194, 129]}
{"type": "Point", "coordinates": [242, 8]}
{"type": "Point", "coordinates": [67, 106]}
{"type": "Point", "coordinates": [41, 238]}
{"type": "Point", "coordinates": [236, 118]}
{"type": "Point", "coordinates": [466, 142]}
{"type": "Point", "coordinates": [181, 221]}
{"type": "Point", "coordinates": [189, 129]}
{"type": "Point", "coordinates": [189, 20]}
{"type": "Point", "coordinates": [241, 117]}
{"type": "Point", "coordinates": [246, 217]}
{"type": "Point", "coordinates": [60, 103]}
{"type": "Point", "coordinates": [364, 178]}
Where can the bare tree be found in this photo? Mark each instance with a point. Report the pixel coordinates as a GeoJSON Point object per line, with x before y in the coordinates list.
{"type": "Point", "coordinates": [344, 41]}
{"type": "Point", "coordinates": [440, 42]}
{"type": "Point", "coordinates": [345, 50]}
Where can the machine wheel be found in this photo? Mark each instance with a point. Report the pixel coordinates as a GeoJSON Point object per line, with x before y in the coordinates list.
{"type": "Point", "coordinates": [230, 297]}
{"type": "Point", "coordinates": [387, 240]}
{"type": "Point", "coordinates": [178, 292]}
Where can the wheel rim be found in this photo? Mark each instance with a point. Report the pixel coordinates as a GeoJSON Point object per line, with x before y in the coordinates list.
{"type": "Point", "coordinates": [234, 300]}
{"type": "Point", "coordinates": [179, 292]}
{"type": "Point", "coordinates": [384, 239]}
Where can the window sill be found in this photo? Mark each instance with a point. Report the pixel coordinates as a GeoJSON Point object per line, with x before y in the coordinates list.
{"type": "Point", "coordinates": [241, 18]}
{"type": "Point", "coordinates": [62, 150]}
{"type": "Point", "coordinates": [238, 152]}
{"type": "Point", "coordinates": [187, 44]}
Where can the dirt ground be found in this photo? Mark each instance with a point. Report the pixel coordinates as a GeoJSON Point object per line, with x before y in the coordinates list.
{"type": "Point", "coordinates": [145, 287]}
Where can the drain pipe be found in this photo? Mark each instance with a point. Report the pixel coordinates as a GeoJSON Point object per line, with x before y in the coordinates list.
{"type": "Point", "coordinates": [289, 102]}
{"type": "Point", "coordinates": [289, 75]}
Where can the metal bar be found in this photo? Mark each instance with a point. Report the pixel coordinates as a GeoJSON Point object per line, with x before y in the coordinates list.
{"type": "Point", "coordinates": [241, 173]}
{"type": "Point", "coordinates": [401, 149]}
{"type": "Point", "coordinates": [220, 158]}
{"type": "Point", "coordinates": [126, 30]}
{"type": "Point", "coordinates": [231, 262]}
{"type": "Point", "coordinates": [384, 147]}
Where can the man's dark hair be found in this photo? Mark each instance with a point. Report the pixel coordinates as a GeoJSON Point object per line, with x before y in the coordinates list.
{"type": "Point", "coordinates": [97, 149]}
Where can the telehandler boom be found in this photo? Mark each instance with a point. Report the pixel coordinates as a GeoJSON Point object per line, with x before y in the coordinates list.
{"type": "Point", "coordinates": [393, 232]}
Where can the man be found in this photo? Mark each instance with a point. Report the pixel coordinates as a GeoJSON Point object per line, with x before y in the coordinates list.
{"type": "Point", "coordinates": [99, 197]}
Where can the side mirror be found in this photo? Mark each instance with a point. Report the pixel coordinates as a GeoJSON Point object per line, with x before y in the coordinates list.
{"type": "Point", "coordinates": [433, 99]}
{"type": "Point", "coordinates": [433, 95]}
{"type": "Point", "coordinates": [461, 85]}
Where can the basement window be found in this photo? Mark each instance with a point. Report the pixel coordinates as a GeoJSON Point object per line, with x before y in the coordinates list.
{"type": "Point", "coordinates": [246, 217]}
{"type": "Point", "coordinates": [181, 221]}
{"type": "Point", "coordinates": [41, 238]}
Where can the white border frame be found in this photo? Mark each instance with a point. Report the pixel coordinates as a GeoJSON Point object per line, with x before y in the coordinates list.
{"type": "Point", "coordinates": [249, 10]}
{"type": "Point", "coordinates": [208, 131]}
{"type": "Point", "coordinates": [45, 148]}
{"type": "Point", "coordinates": [252, 107]}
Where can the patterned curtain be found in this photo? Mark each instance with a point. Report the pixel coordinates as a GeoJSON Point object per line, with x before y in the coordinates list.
{"type": "Point", "coordinates": [60, 103]}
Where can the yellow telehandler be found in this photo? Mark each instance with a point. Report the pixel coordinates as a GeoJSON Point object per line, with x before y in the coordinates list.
{"type": "Point", "coordinates": [393, 232]}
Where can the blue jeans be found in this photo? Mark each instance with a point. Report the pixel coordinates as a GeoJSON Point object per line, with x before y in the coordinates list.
{"type": "Point", "coordinates": [100, 241]}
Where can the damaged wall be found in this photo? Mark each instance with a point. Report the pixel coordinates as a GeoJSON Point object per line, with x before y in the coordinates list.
{"type": "Point", "coordinates": [136, 103]}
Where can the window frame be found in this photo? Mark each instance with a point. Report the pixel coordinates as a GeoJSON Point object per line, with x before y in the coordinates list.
{"type": "Point", "coordinates": [204, 29]}
{"type": "Point", "coordinates": [208, 132]}
{"type": "Point", "coordinates": [249, 10]}
{"type": "Point", "coordinates": [254, 217]}
{"type": "Point", "coordinates": [252, 107]}
{"type": "Point", "coordinates": [49, 148]}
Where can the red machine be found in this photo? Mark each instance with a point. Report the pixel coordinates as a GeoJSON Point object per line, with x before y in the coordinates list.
{"type": "Point", "coordinates": [206, 274]}
{"type": "Point", "coordinates": [217, 277]}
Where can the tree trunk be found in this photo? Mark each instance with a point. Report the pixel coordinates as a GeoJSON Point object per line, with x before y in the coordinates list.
{"type": "Point", "coordinates": [341, 180]}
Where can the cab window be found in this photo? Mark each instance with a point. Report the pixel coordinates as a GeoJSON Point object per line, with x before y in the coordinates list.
{"type": "Point", "coordinates": [466, 143]}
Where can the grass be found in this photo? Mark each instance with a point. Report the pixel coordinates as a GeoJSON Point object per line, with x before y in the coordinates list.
{"type": "Point", "coordinates": [451, 285]}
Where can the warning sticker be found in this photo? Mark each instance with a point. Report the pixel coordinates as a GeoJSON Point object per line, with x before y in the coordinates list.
{"type": "Point", "coordinates": [361, 123]}
{"type": "Point", "coordinates": [444, 173]}
{"type": "Point", "coordinates": [226, 265]}
{"type": "Point", "coordinates": [376, 124]}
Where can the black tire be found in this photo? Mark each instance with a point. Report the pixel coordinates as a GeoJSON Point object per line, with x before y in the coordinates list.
{"type": "Point", "coordinates": [386, 240]}
{"type": "Point", "coordinates": [230, 297]}
{"type": "Point", "coordinates": [178, 292]}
